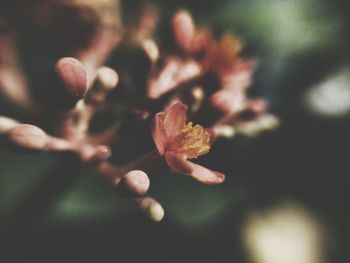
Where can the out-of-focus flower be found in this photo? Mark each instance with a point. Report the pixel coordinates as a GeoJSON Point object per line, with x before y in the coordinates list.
{"type": "Point", "coordinates": [218, 56]}
{"type": "Point", "coordinates": [175, 72]}
{"type": "Point", "coordinates": [287, 233]}
{"type": "Point", "coordinates": [331, 97]}
{"type": "Point", "coordinates": [234, 81]}
{"type": "Point", "coordinates": [177, 142]}
{"type": "Point", "coordinates": [222, 54]}
{"type": "Point", "coordinates": [200, 54]}
{"type": "Point", "coordinates": [151, 208]}
{"type": "Point", "coordinates": [188, 38]}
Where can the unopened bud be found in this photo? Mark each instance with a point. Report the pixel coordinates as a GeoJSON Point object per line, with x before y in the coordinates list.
{"type": "Point", "coordinates": [268, 121]}
{"type": "Point", "coordinates": [6, 124]}
{"type": "Point", "coordinates": [28, 136]}
{"type": "Point", "coordinates": [134, 183]}
{"type": "Point", "coordinates": [106, 80]}
{"type": "Point", "coordinates": [249, 128]}
{"type": "Point", "coordinates": [152, 208]}
{"type": "Point", "coordinates": [72, 82]}
{"type": "Point", "coordinates": [225, 131]}
{"type": "Point", "coordinates": [258, 125]}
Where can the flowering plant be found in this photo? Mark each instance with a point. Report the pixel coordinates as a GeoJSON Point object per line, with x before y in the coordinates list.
{"type": "Point", "coordinates": [197, 76]}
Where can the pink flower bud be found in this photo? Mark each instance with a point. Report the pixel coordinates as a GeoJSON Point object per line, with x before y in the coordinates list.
{"type": "Point", "coordinates": [134, 183]}
{"type": "Point", "coordinates": [152, 208]}
{"type": "Point", "coordinates": [29, 137]}
{"type": "Point", "coordinates": [72, 82]}
{"type": "Point", "coordinates": [106, 78]}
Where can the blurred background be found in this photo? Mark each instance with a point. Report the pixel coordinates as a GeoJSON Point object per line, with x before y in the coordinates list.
{"type": "Point", "coordinates": [286, 196]}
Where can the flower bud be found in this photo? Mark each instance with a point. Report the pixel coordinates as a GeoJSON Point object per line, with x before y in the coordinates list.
{"type": "Point", "coordinates": [264, 122]}
{"type": "Point", "coordinates": [134, 183]}
{"type": "Point", "coordinates": [106, 80]}
{"type": "Point", "coordinates": [6, 124]}
{"type": "Point", "coordinates": [28, 137]}
{"type": "Point", "coordinates": [152, 208]}
{"type": "Point", "coordinates": [72, 82]}
{"type": "Point", "coordinates": [268, 121]}
{"type": "Point", "coordinates": [225, 131]}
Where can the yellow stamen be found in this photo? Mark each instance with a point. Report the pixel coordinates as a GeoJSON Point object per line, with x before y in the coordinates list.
{"type": "Point", "coordinates": [225, 52]}
{"type": "Point", "coordinates": [191, 141]}
{"type": "Point", "coordinates": [229, 46]}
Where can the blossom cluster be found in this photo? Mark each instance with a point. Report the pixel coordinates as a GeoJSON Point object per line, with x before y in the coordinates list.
{"type": "Point", "coordinates": [194, 91]}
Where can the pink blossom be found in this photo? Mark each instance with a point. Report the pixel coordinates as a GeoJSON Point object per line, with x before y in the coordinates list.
{"type": "Point", "coordinates": [177, 142]}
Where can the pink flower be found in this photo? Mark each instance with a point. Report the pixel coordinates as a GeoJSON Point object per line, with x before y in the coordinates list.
{"type": "Point", "coordinates": [219, 56]}
{"type": "Point", "coordinates": [177, 142]}
{"type": "Point", "coordinates": [189, 38]}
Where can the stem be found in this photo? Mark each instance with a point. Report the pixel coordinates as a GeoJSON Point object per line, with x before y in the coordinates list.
{"type": "Point", "coordinates": [114, 173]}
{"type": "Point", "coordinates": [145, 162]}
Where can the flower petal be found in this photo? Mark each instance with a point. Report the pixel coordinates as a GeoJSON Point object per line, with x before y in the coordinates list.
{"type": "Point", "coordinates": [201, 41]}
{"type": "Point", "coordinates": [206, 175]}
{"type": "Point", "coordinates": [175, 119]}
{"type": "Point", "coordinates": [227, 100]}
{"type": "Point", "coordinates": [184, 29]}
{"type": "Point", "coordinates": [180, 165]}
{"type": "Point", "coordinates": [159, 133]}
